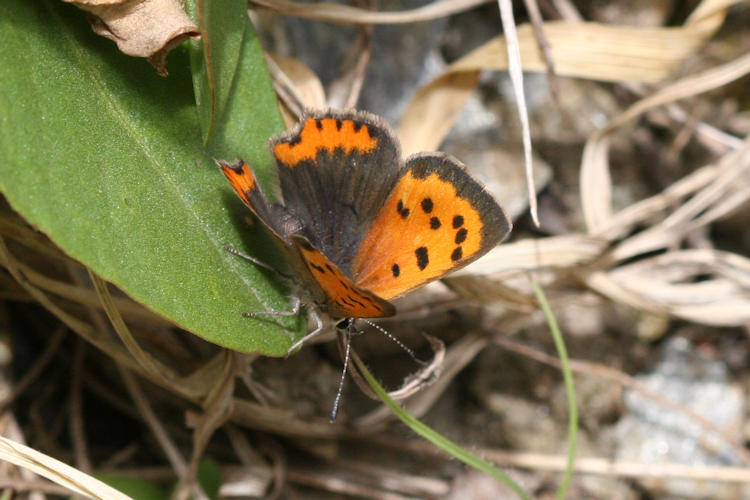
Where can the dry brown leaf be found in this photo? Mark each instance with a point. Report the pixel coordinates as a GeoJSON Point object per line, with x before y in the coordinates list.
{"type": "Point", "coordinates": [141, 28]}
{"type": "Point", "coordinates": [433, 110]}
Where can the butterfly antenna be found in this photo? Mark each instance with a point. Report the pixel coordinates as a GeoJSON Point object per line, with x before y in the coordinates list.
{"type": "Point", "coordinates": [337, 401]}
{"type": "Point", "coordinates": [394, 339]}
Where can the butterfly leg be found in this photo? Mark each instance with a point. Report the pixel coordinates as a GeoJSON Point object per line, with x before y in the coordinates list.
{"type": "Point", "coordinates": [319, 327]}
{"type": "Point", "coordinates": [257, 262]}
{"type": "Point", "coordinates": [295, 311]}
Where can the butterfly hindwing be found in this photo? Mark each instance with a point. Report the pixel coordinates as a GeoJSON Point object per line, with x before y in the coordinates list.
{"type": "Point", "coordinates": [437, 219]}
{"type": "Point", "coordinates": [336, 169]}
{"type": "Point", "coordinates": [342, 298]}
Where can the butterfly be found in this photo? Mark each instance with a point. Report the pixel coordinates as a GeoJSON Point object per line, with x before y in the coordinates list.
{"type": "Point", "coordinates": [360, 226]}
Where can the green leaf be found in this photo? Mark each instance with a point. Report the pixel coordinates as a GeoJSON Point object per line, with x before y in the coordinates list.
{"type": "Point", "coordinates": [209, 477]}
{"type": "Point", "coordinates": [215, 57]}
{"type": "Point", "coordinates": [133, 487]}
{"type": "Point", "coordinates": [107, 159]}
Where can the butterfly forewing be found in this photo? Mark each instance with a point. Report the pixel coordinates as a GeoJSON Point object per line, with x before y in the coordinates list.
{"type": "Point", "coordinates": [336, 171]}
{"type": "Point", "coordinates": [242, 179]}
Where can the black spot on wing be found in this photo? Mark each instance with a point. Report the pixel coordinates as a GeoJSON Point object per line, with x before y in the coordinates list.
{"type": "Point", "coordinates": [360, 304]}
{"type": "Point", "coordinates": [435, 223]}
{"type": "Point", "coordinates": [402, 210]}
{"type": "Point", "coordinates": [427, 205]}
{"type": "Point", "coordinates": [461, 235]}
{"type": "Point", "coordinates": [458, 221]}
{"type": "Point", "coordinates": [423, 258]}
{"type": "Point", "coordinates": [395, 270]}
{"type": "Point", "coordinates": [457, 254]}
{"type": "Point", "coordinates": [317, 268]}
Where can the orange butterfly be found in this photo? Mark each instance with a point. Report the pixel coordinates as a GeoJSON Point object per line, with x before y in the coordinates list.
{"type": "Point", "coordinates": [357, 224]}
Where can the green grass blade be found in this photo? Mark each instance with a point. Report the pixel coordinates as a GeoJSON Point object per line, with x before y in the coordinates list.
{"type": "Point", "coordinates": [437, 439]}
{"type": "Point", "coordinates": [569, 388]}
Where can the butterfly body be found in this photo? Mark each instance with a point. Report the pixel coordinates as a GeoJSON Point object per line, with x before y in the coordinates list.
{"type": "Point", "coordinates": [358, 225]}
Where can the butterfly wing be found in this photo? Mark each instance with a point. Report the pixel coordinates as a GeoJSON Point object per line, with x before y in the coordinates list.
{"type": "Point", "coordinates": [274, 216]}
{"type": "Point", "coordinates": [436, 219]}
{"type": "Point", "coordinates": [336, 169]}
{"type": "Point", "coordinates": [342, 298]}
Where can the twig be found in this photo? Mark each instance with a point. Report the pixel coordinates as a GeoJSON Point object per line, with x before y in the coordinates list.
{"type": "Point", "coordinates": [537, 23]}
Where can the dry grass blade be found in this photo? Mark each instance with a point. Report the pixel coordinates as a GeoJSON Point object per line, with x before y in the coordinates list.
{"type": "Point", "coordinates": [217, 410]}
{"type": "Point", "coordinates": [418, 381]}
{"type": "Point", "coordinates": [605, 467]}
{"type": "Point", "coordinates": [592, 465]}
{"type": "Point", "coordinates": [368, 480]}
{"type": "Point", "coordinates": [56, 471]}
{"type": "Point", "coordinates": [168, 447]}
{"type": "Point", "coordinates": [666, 284]}
{"type": "Point", "coordinates": [282, 422]}
{"type": "Point", "coordinates": [728, 189]}
{"type": "Point", "coordinates": [595, 180]}
{"type": "Point", "coordinates": [195, 386]}
{"type": "Point", "coordinates": [516, 77]}
{"type": "Point", "coordinates": [82, 328]}
{"type": "Point", "coordinates": [623, 222]}
{"type": "Point", "coordinates": [554, 251]}
{"type": "Point", "coordinates": [345, 14]}
{"type": "Point", "coordinates": [596, 51]}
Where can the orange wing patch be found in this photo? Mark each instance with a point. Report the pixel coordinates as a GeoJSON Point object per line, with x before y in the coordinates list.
{"type": "Point", "coordinates": [423, 231]}
{"type": "Point", "coordinates": [346, 299]}
{"type": "Point", "coordinates": [327, 134]}
{"type": "Point", "coordinates": [241, 177]}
